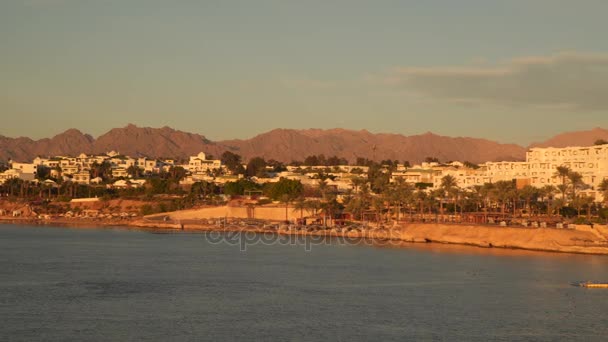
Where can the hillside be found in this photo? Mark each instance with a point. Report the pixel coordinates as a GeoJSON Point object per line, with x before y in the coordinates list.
{"type": "Point", "coordinates": [283, 145]}
{"type": "Point", "coordinates": [577, 138]}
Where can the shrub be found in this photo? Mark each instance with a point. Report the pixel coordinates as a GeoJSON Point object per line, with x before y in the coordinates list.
{"type": "Point", "coordinates": [568, 212]}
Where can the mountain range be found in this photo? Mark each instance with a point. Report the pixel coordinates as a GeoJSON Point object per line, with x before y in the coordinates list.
{"type": "Point", "coordinates": [284, 145]}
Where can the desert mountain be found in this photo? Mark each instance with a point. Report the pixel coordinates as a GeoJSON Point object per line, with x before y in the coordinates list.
{"type": "Point", "coordinates": [289, 144]}
{"type": "Point", "coordinates": [131, 140]}
{"type": "Point", "coordinates": [154, 142]}
{"type": "Point", "coordinates": [282, 144]}
{"type": "Point", "coordinates": [577, 138]}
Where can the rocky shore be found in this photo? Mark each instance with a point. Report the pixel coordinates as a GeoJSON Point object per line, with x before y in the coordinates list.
{"type": "Point", "coordinates": [583, 239]}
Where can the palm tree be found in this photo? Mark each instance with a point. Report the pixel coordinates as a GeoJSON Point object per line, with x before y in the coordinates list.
{"type": "Point", "coordinates": [582, 202]}
{"type": "Point", "coordinates": [359, 201]}
{"type": "Point", "coordinates": [603, 187]}
{"type": "Point", "coordinates": [448, 187]}
{"type": "Point", "coordinates": [323, 188]}
{"type": "Point", "coordinates": [314, 205]}
{"type": "Point", "coordinates": [528, 193]}
{"type": "Point", "coordinates": [398, 193]}
{"type": "Point", "coordinates": [547, 193]}
{"type": "Point", "coordinates": [378, 206]}
{"type": "Point", "coordinates": [286, 199]}
{"type": "Point", "coordinates": [330, 207]}
{"type": "Point", "coordinates": [588, 202]}
{"type": "Point", "coordinates": [504, 191]}
{"type": "Point", "coordinates": [436, 196]}
{"type": "Point", "coordinates": [421, 198]}
{"type": "Point", "coordinates": [301, 204]}
{"type": "Point", "coordinates": [134, 171]}
{"type": "Point", "coordinates": [563, 172]}
{"type": "Point", "coordinates": [358, 182]}
{"type": "Point", "coordinates": [576, 180]}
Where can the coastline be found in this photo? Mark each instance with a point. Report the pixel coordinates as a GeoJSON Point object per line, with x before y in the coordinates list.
{"type": "Point", "coordinates": [583, 240]}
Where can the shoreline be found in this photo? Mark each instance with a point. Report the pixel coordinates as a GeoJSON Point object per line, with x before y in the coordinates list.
{"type": "Point", "coordinates": [590, 241]}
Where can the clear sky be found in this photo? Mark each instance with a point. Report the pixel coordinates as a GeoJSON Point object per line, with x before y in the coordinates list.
{"type": "Point", "coordinates": [512, 71]}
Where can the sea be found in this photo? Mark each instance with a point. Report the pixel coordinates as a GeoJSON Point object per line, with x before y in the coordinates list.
{"type": "Point", "coordinates": [121, 284]}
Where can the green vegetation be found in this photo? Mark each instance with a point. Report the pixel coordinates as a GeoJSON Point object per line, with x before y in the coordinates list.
{"type": "Point", "coordinates": [601, 142]}
{"type": "Point", "coordinates": [377, 192]}
{"type": "Point", "coordinates": [320, 160]}
{"type": "Point", "coordinates": [256, 167]}
{"type": "Point", "coordinates": [285, 190]}
{"type": "Point", "coordinates": [239, 187]}
{"type": "Point", "coordinates": [233, 163]}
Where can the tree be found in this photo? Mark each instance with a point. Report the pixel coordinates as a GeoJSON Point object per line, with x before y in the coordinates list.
{"type": "Point", "coordinates": [603, 187]}
{"type": "Point", "coordinates": [233, 162]}
{"type": "Point", "coordinates": [601, 142]}
{"type": "Point", "coordinates": [421, 198]}
{"type": "Point", "coordinates": [398, 194]}
{"type": "Point", "coordinates": [301, 204]}
{"type": "Point", "coordinates": [239, 187]}
{"type": "Point", "coordinates": [203, 190]}
{"type": "Point", "coordinates": [576, 181]}
{"type": "Point", "coordinates": [290, 188]}
{"type": "Point", "coordinates": [103, 170]}
{"type": "Point", "coordinates": [177, 173]}
{"type": "Point", "coordinates": [311, 161]}
{"type": "Point", "coordinates": [377, 178]}
{"type": "Point", "coordinates": [358, 182]}
{"type": "Point", "coordinates": [360, 161]}
{"type": "Point", "coordinates": [277, 166]}
{"type": "Point", "coordinates": [359, 203]}
{"type": "Point", "coordinates": [335, 161]}
{"type": "Point", "coordinates": [448, 187]}
{"type": "Point", "coordinates": [528, 193]}
{"type": "Point", "coordinates": [256, 167]}
{"type": "Point", "coordinates": [563, 172]}
{"type": "Point", "coordinates": [42, 172]}
{"type": "Point", "coordinates": [431, 160]}
{"type": "Point", "coordinates": [134, 171]}
{"type": "Point", "coordinates": [330, 207]}
{"type": "Point", "coordinates": [581, 202]}
{"type": "Point", "coordinates": [547, 192]}
{"type": "Point", "coordinates": [504, 192]}
{"type": "Point", "coordinates": [157, 186]}
{"type": "Point", "coordinates": [470, 165]}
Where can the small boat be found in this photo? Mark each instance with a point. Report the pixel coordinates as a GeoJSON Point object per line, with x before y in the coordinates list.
{"type": "Point", "coordinates": [592, 284]}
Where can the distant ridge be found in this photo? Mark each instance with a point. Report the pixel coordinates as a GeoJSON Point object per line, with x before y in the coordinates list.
{"type": "Point", "coordinates": [576, 138]}
{"type": "Point", "coordinates": [283, 145]}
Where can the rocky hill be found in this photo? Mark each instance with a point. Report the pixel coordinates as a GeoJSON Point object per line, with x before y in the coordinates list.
{"type": "Point", "coordinates": [577, 138]}
{"type": "Point", "coordinates": [289, 144]}
{"type": "Point", "coordinates": [283, 145]}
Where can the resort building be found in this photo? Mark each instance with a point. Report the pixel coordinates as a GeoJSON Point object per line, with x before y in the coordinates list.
{"type": "Point", "coordinates": [9, 174]}
{"type": "Point", "coordinates": [119, 172]}
{"type": "Point", "coordinates": [82, 177]}
{"type": "Point", "coordinates": [200, 163]}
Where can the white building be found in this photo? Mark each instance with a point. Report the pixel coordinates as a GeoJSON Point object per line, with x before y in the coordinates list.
{"type": "Point", "coordinates": [9, 174]}
{"type": "Point", "coordinates": [200, 163]}
{"type": "Point", "coordinates": [149, 165]}
{"type": "Point", "coordinates": [25, 167]}
{"type": "Point", "coordinates": [82, 177]}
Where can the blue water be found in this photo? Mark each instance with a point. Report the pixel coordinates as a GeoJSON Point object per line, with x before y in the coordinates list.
{"type": "Point", "coordinates": [61, 284]}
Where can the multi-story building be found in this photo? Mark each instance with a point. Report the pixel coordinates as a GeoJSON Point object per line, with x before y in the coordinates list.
{"type": "Point", "coordinates": [200, 163]}
{"type": "Point", "coordinates": [541, 164]}
{"type": "Point", "coordinates": [82, 177]}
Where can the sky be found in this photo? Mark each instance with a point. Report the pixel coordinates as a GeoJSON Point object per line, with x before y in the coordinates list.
{"type": "Point", "coordinates": [514, 71]}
